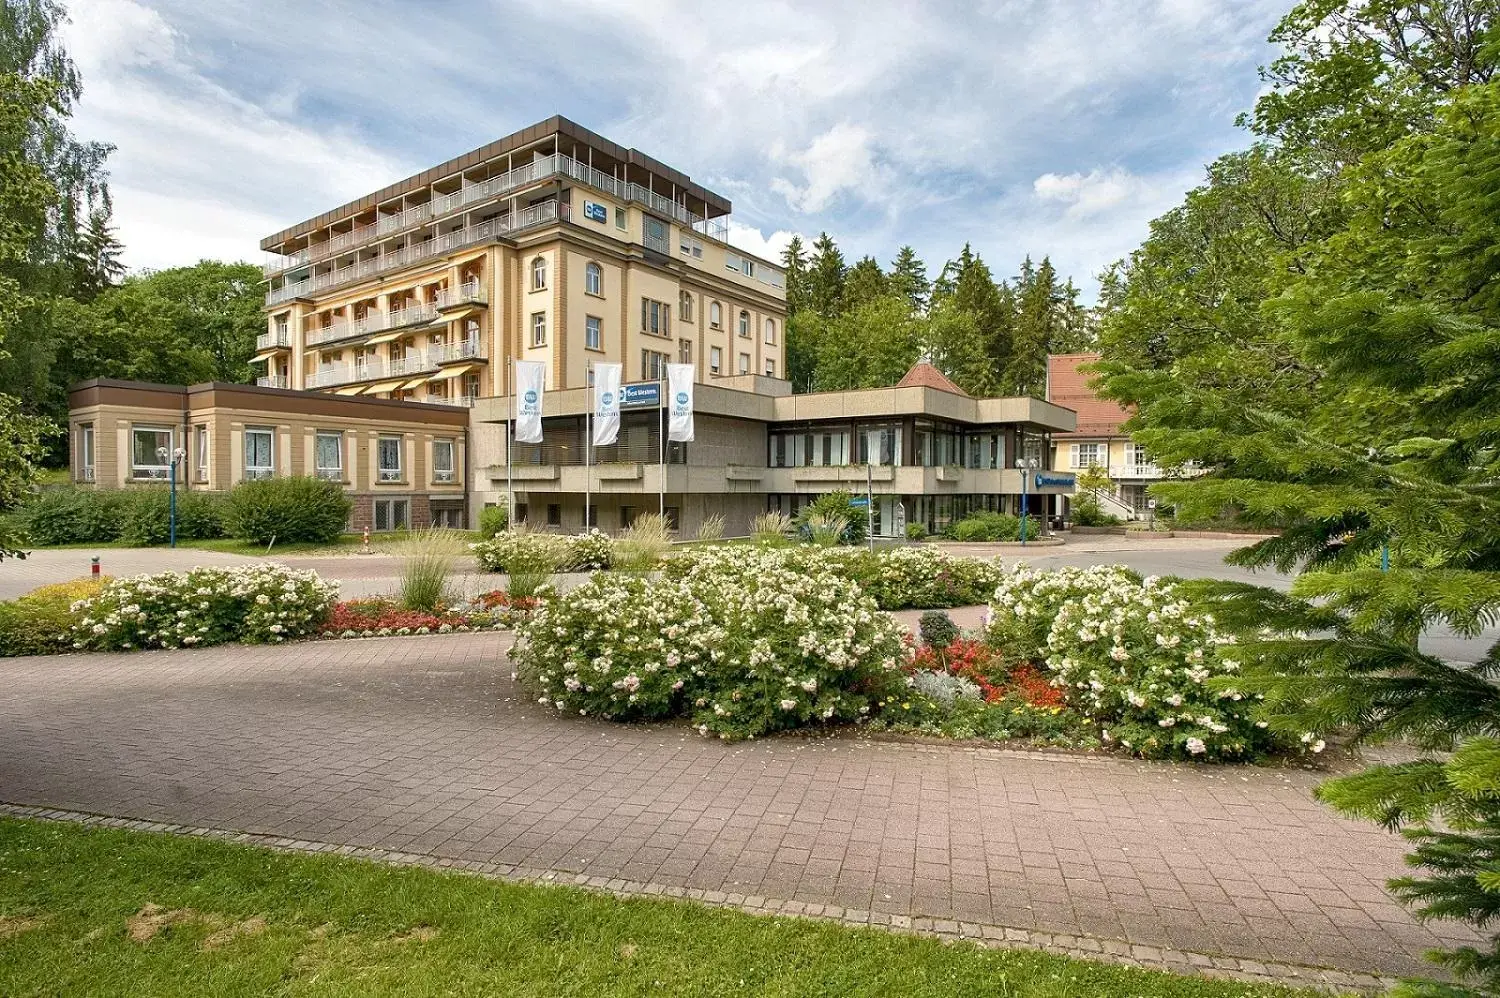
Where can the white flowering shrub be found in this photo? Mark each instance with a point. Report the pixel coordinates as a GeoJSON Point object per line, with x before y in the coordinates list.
{"type": "Point", "coordinates": [521, 547]}
{"type": "Point", "coordinates": [591, 551]}
{"type": "Point", "coordinates": [254, 604]}
{"type": "Point", "coordinates": [1134, 657]}
{"type": "Point", "coordinates": [743, 642]}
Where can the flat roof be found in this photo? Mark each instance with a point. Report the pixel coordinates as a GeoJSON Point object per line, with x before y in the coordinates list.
{"type": "Point", "coordinates": [113, 391]}
{"type": "Point", "coordinates": [556, 125]}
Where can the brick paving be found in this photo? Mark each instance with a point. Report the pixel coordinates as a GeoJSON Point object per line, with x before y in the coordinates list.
{"type": "Point", "coordinates": [425, 748]}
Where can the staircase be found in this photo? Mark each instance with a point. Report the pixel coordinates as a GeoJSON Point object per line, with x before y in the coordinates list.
{"type": "Point", "coordinates": [1114, 505]}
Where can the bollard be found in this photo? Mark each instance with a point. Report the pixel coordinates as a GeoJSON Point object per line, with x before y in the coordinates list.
{"type": "Point", "coordinates": [94, 567]}
{"type": "Point", "coordinates": [366, 548]}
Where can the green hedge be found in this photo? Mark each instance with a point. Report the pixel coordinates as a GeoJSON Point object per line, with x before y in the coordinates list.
{"type": "Point", "coordinates": [287, 510]}
{"type": "Point", "coordinates": [987, 526]}
{"type": "Point", "coordinates": [136, 516]}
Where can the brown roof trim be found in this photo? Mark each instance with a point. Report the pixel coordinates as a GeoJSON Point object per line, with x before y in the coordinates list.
{"type": "Point", "coordinates": [555, 125]}
{"type": "Point", "coordinates": [112, 391]}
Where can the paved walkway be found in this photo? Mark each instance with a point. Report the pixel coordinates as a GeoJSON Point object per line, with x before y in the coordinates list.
{"type": "Point", "coordinates": [425, 745]}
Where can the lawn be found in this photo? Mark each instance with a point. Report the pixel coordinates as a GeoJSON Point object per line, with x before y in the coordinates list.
{"type": "Point", "coordinates": [346, 544]}
{"type": "Point", "coordinates": [239, 920]}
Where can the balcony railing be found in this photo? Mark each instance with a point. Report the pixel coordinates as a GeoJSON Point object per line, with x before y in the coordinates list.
{"type": "Point", "coordinates": [410, 363]}
{"type": "Point", "coordinates": [494, 228]}
{"type": "Point", "coordinates": [494, 189]}
{"type": "Point", "coordinates": [465, 294]}
{"type": "Point", "coordinates": [462, 401]}
{"type": "Point", "coordinates": [269, 341]}
{"type": "Point", "coordinates": [273, 381]}
{"type": "Point", "coordinates": [372, 322]}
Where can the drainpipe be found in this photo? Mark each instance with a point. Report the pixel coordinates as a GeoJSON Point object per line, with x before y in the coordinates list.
{"type": "Point", "coordinates": [468, 469]}
{"type": "Point", "coordinates": [186, 441]}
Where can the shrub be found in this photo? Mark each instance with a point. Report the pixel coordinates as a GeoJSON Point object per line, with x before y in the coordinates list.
{"type": "Point", "coordinates": [944, 688]}
{"type": "Point", "coordinates": [206, 606]}
{"type": "Point", "coordinates": [771, 529]}
{"type": "Point", "coordinates": [74, 516]}
{"type": "Point", "coordinates": [593, 551]}
{"type": "Point", "coordinates": [147, 516]}
{"type": "Point", "coordinates": [831, 507]}
{"type": "Point", "coordinates": [492, 520]}
{"type": "Point", "coordinates": [824, 529]}
{"type": "Point", "coordinates": [744, 642]}
{"type": "Point", "coordinates": [1135, 658]}
{"type": "Point", "coordinates": [937, 629]}
{"type": "Point", "coordinates": [930, 578]}
{"type": "Point", "coordinates": [41, 621]}
{"type": "Point", "coordinates": [985, 526]}
{"type": "Point", "coordinates": [712, 527]}
{"type": "Point", "coordinates": [916, 531]}
{"type": "Point", "coordinates": [289, 510]}
{"type": "Point", "coordinates": [642, 547]}
{"type": "Point", "coordinates": [427, 558]}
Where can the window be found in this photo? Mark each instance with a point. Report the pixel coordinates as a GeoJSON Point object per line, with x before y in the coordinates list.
{"type": "Point", "coordinates": [653, 365]}
{"type": "Point", "coordinates": [442, 461]}
{"type": "Point", "coordinates": [747, 267]}
{"type": "Point", "coordinates": [259, 447]}
{"type": "Point", "coordinates": [732, 262]}
{"type": "Point", "coordinates": [451, 517]}
{"type": "Point", "coordinates": [392, 514]}
{"type": "Point", "coordinates": [654, 236]}
{"type": "Point", "coordinates": [554, 514]}
{"type": "Point", "coordinates": [671, 513]}
{"type": "Point", "coordinates": [656, 318]}
{"type": "Point", "coordinates": [388, 452]}
{"type": "Point", "coordinates": [770, 368]}
{"type": "Point", "coordinates": [715, 360]}
{"type": "Point", "coordinates": [538, 329]}
{"type": "Point", "coordinates": [200, 451]}
{"type": "Point", "coordinates": [685, 306]}
{"type": "Point", "coordinates": [692, 247]}
{"type": "Point", "coordinates": [744, 323]}
{"type": "Point", "coordinates": [328, 455]}
{"type": "Point", "coordinates": [684, 351]}
{"type": "Point", "coordinates": [1137, 458]}
{"type": "Point", "coordinates": [627, 516]}
{"type": "Point", "coordinates": [86, 451]}
{"type": "Point", "coordinates": [593, 279]}
{"type": "Point", "coordinates": [150, 452]}
{"type": "Point", "coordinates": [1085, 455]}
{"type": "Point", "coordinates": [744, 363]}
{"type": "Point", "coordinates": [593, 334]}
{"type": "Point", "coordinates": [715, 315]}
{"type": "Point", "coordinates": [521, 509]}
{"type": "Point", "coordinates": [620, 218]}
{"type": "Point", "coordinates": [281, 325]}
{"type": "Point", "coordinates": [539, 274]}
{"type": "Point", "coordinates": [771, 332]}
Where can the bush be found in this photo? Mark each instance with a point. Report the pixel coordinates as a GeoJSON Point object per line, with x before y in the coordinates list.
{"type": "Point", "coordinates": [147, 516]}
{"type": "Point", "coordinates": [831, 507]}
{"type": "Point", "coordinates": [642, 547]}
{"type": "Point", "coordinates": [916, 531]}
{"type": "Point", "coordinates": [771, 529]}
{"type": "Point", "coordinates": [492, 520]}
{"type": "Point", "coordinates": [74, 516]}
{"type": "Point", "coordinates": [590, 552]}
{"type": "Point", "coordinates": [985, 526]}
{"type": "Point", "coordinates": [1135, 658]}
{"type": "Point", "coordinates": [937, 629]}
{"type": "Point", "coordinates": [745, 642]}
{"type": "Point", "coordinates": [41, 621]}
{"type": "Point", "coordinates": [296, 510]}
{"type": "Point", "coordinates": [427, 558]}
{"type": "Point", "coordinates": [255, 604]}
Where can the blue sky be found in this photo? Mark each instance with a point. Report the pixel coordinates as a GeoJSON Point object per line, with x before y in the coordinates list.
{"type": "Point", "coordinates": [1056, 127]}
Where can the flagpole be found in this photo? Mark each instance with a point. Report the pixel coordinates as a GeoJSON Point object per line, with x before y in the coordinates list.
{"type": "Point", "coordinates": [510, 420]}
{"type": "Point", "coordinates": [588, 441]}
{"type": "Point", "coordinates": [661, 482]}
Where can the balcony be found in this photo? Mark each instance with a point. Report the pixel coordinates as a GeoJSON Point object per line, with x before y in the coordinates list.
{"type": "Point", "coordinates": [373, 322]}
{"type": "Point", "coordinates": [413, 362]}
{"type": "Point", "coordinates": [274, 381]}
{"type": "Point", "coordinates": [496, 228]}
{"type": "Point", "coordinates": [464, 294]}
{"type": "Point", "coordinates": [279, 339]}
{"type": "Point", "coordinates": [463, 350]}
{"type": "Point", "coordinates": [461, 401]}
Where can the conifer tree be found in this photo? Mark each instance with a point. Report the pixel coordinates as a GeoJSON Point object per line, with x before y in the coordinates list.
{"type": "Point", "coordinates": [825, 277]}
{"type": "Point", "coordinates": [864, 283]}
{"type": "Point", "coordinates": [908, 279]}
{"type": "Point", "coordinates": [794, 265]}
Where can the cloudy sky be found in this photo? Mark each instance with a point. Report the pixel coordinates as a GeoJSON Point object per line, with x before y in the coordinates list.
{"type": "Point", "coordinates": [1056, 127]}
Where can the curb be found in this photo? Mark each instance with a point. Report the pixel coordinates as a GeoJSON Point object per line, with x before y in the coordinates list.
{"type": "Point", "coordinates": [1115, 951]}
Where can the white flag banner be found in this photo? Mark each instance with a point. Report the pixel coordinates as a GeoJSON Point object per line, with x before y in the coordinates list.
{"type": "Point", "coordinates": [530, 378]}
{"type": "Point", "coordinates": [606, 403]}
{"type": "Point", "coordinates": [679, 402]}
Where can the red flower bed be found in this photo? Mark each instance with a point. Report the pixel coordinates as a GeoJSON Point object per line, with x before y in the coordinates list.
{"type": "Point", "coordinates": [499, 599]}
{"type": "Point", "coordinates": [361, 615]}
{"type": "Point", "coordinates": [980, 665]}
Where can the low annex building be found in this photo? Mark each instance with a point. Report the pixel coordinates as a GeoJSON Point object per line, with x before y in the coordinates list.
{"type": "Point", "coordinates": [404, 465]}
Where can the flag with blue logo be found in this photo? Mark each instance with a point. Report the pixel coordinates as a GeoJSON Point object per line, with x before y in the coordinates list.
{"type": "Point", "coordinates": [606, 403]}
{"type": "Point", "coordinates": [531, 375]}
{"type": "Point", "coordinates": [679, 402]}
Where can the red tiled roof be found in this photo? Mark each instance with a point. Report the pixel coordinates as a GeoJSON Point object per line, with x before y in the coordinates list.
{"type": "Point", "coordinates": [1068, 387]}
{"type": "Point", "coordinates": [924, 375]}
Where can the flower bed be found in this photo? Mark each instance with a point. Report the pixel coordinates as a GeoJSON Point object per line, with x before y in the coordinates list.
{"type": "Point", "coordinates": [367, 618]}
{"type": "Point", "coordinates": [741, 640]}
{"type": "Point", "coordinates": [522, 549]}
{"type": "Point", "coordinates": [254, 604]}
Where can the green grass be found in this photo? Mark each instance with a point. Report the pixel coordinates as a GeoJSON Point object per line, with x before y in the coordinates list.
{"type": "Point", "coordinates": [346, 544]}
{"type": "Point", "coordinates": [343, 927]}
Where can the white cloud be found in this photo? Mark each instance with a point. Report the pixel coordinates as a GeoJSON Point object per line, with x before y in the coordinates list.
{"type": "Point", "coordinates": [839, 160]}
{"type": "Point", "coordinates": [1091, 193]}
{"type": "Point", "coordinates": [753, 241]}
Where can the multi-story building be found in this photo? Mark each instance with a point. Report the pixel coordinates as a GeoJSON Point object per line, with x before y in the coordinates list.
{"type": "Point", "coordinates": [556, 245]}
{"type": "Point", "coordinates": [1098, 440]}
{"type": "Point", "coordinates": [551, 244]}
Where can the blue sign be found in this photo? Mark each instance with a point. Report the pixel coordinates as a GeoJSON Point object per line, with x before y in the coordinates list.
{"type": "Point", "coordinates": [682, 398]}
{"type": "Point", "coordinates": [647, 393]}
{"type": "Point", "coordinates": [860, 502]}
{"type": "Point", "coordinates": [530, 398]}
{"type": "Point", "coordinates": [1045, 480]}
{"type": "Point", "coordinates": [606, 400]}
{"type": "Point", "coordinates": [595, 212]}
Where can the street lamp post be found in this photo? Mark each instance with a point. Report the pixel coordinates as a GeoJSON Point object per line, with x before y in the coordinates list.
{"type": "Point", "coordinates": [176, 460]}
{"type": "Point", "coordinates": [1025, 464]}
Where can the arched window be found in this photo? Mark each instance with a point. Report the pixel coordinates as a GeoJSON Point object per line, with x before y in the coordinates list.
{"type": "Point", "coordinates": [593, 279]}
{"type": "Point", "coordinates": [539, 273]}
{"type": "Point", "coordinates": [744, 323]}
{"type": "Point", "coordinates": [715, 315]}
{"type": "Point", "coordinates": [771, 331]}
{"type": "Point", "coordinates": [685, 303]}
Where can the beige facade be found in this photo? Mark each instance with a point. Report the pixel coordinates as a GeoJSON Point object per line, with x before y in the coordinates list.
{"type": "Point", "coordinates": [403, 464]}
{"type": "Point", "coordinates": [552, 244]}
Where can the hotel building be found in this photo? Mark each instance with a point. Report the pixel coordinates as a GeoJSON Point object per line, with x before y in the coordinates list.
{"type": "Point", "coordinates": [555, 244]}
